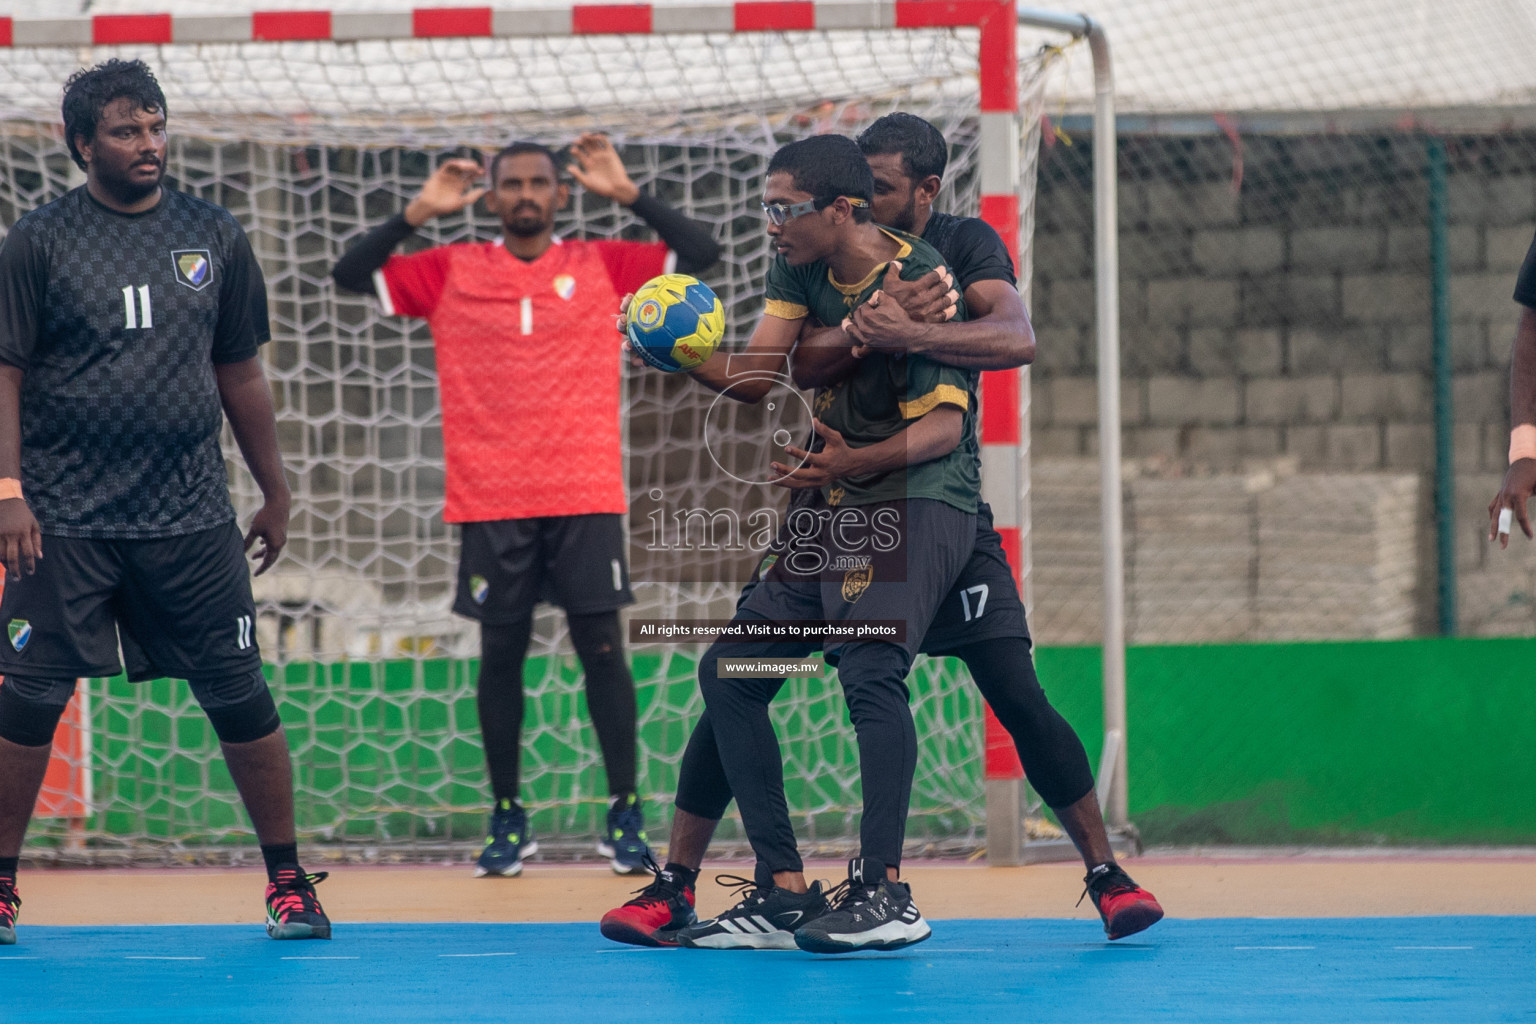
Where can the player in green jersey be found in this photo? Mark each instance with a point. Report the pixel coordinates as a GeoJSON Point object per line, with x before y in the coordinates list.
{"type": "Point", "coordinates": [887, 547]}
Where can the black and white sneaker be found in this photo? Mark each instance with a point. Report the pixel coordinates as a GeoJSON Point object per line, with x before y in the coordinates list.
{"type": "Point", "coordinates": [869, 912]}
{"type": "Point", "coordinates": [763, 919]}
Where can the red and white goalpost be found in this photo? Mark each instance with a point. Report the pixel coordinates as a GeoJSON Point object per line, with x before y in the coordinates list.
{"type": "Point", "coordinates": [313, 125]}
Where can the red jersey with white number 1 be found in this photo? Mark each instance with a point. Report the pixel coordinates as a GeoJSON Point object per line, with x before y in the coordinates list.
{"type": "Point", "coordinates": [528, 367]}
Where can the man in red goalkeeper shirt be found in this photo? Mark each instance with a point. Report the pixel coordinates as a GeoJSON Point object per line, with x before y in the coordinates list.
{"type": "Point", "coordinates": [523, 333]}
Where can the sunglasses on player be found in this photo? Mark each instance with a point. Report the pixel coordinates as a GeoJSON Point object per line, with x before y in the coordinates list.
{"type": "Point", "coordinates": [780, 213]}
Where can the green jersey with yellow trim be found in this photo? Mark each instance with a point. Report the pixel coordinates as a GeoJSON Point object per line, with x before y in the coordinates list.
{"type": "Point", "coordinates": [885, 393]}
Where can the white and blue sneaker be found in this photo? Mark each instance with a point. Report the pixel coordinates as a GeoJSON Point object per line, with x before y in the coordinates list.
{"type": "Point", "coordinates": [509, 842]}
{"type": "Point", "coordinates": [623, 841]}
{"type": "Point", "coordinates": [763, 919]}
{"type": "Point", "coordinates": [869, 912]}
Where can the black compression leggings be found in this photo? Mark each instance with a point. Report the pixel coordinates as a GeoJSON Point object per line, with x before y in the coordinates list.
{"type": "Point", "coordinates": [872, 680]}
{"type": "Point", "coordinates": [1052, 755]}
{"type": "Point", "coordinates": [610, 698]}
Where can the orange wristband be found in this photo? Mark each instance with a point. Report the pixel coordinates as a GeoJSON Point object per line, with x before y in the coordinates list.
{"type": "Point", "coordinates": [10, 487]}
{"type": "Point", "coordinates": [1522, 444]}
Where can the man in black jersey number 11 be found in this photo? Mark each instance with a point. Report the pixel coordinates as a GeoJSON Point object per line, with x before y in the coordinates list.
{"type": "Point", "coordinates": [130, 315]}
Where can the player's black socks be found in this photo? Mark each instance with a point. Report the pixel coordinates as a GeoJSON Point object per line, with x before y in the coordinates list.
{"type": "Point", "coordinates": [10, 865]}
{"type": "Point", "coordinates": [688, 876]}
{"type": "Point", "coordinates": [277, 855]}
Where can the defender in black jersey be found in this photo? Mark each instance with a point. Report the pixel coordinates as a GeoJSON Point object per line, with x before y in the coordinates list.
{"type": "Point", "coordinates": [907, 156]}
{"type": "Point", "coordinates": [1509, 505]}
{"type": "Point", "coordinates": [130, 315]}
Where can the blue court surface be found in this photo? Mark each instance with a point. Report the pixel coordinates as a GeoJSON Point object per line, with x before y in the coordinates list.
{"type": "Point", "coordinates": [1454, 970]}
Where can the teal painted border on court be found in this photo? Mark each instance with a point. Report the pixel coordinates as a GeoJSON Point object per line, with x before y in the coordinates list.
{"type": "Point", "coordinates": [1427, 970]}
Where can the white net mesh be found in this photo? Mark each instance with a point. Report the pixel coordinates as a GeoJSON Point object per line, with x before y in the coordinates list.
{"type": "Point", "coordinates": [311, 144]}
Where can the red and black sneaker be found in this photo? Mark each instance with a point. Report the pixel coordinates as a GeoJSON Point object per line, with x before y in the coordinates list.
{"type": "Point", "coordinates": [10, 908]}
{"type": "Point", "coordinates": [656, 914]}
{"type": "Point", "coordinates": [293, 912]}
{"type": "Point", "coordinates": [1126, 907]}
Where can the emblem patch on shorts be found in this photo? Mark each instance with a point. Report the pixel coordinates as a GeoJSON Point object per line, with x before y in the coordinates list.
{"type": "Point", "coordinates": [194, 268]}
{"type": "Point", "coordinates": [856, 581]}
{"type": "Point", "coordinates": [20, 631]}
{"type": "Point", "coordinates": [479, 588]}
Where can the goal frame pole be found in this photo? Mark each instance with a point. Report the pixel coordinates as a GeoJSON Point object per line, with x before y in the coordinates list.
{"type": "Point", "coordinates": [1007, 842]}
{"type": "Point", "coordinates": [1005, 406]}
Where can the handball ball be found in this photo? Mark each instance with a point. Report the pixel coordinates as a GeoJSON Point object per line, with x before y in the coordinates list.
{"type": "Point", "coordinates": [675, 322]}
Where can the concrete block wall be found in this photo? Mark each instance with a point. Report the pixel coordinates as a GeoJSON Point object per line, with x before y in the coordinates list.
{"type": "Point", "coordinates": [1264, 554]}
{"type": "Point", "coordinates": [1290, 317]}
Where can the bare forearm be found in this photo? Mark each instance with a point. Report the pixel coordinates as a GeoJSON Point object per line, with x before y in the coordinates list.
{"type": "Point", "coordinates": [739, 375]}
{"type": "Point", "coordinates": [10, 421]}
{"type": "Point", "coordinates": [247, 401]}
{"type": "Point", "coordinates": [989, 343]}
{"type": "Point", "coordinates": [1522, 371]}
{"type": "Point", "coordinates": [996, 335]}
{"type": "Point", "coordinates": [823, 356]}
{"type": "Point", "coordinates": [748, 375]}
{"type": "Point", "coordinates": [933, 436]}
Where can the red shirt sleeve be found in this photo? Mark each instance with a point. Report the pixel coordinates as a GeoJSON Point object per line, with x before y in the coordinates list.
{"type": "Point", "coordinates": [631, 264]}
{"type": "Point", "coordinates": [411, 285]}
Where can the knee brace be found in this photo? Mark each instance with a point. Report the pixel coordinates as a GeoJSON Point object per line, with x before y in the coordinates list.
{"type": "Point", "coordinates": [30, 709]}
{"type": "Point", "coordinates": [240, 708]}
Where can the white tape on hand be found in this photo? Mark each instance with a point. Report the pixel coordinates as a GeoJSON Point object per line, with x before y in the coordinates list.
{"type": "Point", "coordinates": [1506, 519]}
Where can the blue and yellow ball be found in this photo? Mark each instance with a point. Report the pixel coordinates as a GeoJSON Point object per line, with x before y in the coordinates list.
{"type": "Point", "coordinates": [675, 322]}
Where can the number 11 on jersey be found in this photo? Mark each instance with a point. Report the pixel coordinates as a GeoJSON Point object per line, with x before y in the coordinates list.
{"type": "Point", "coordinates": [143, 316]}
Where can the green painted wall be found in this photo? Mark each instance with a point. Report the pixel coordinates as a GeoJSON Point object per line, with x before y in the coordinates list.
{"type": "Point", "coordinates": [1413, 741]}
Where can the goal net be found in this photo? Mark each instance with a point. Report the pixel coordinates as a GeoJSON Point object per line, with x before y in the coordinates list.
{"type": "Point", "coordinates": [312, 141]}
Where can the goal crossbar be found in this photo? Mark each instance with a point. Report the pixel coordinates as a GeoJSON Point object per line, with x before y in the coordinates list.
{"type": "Point", "coordinates": [1004, 421]}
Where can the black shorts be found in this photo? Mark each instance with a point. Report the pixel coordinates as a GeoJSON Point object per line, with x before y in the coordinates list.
{"type": "Point", "coordinates": [181, 606]}
{"type": "Point", "coordinates": [897, 570]}
{"type": "Point", "coordinates": [984, 603]}
{"type": "Point", "coordinates": [508, 566]}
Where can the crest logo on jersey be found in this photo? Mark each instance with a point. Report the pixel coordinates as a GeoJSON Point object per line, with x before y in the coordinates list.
{"type": "Point", "coordinates": [835, 495]}
{"type": "Point", "coordinates": [856, 581]}
{"type": "Point", "coordinates": [479, 588]}
{"type": "Point", "coordinates": [765, 565]}
{"type": "Point", "coordinates": [194, 268]}
{"type": "Point", "coordinates": [565, 286]}
{"type": "Point", "coordinates": [20, 631]}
